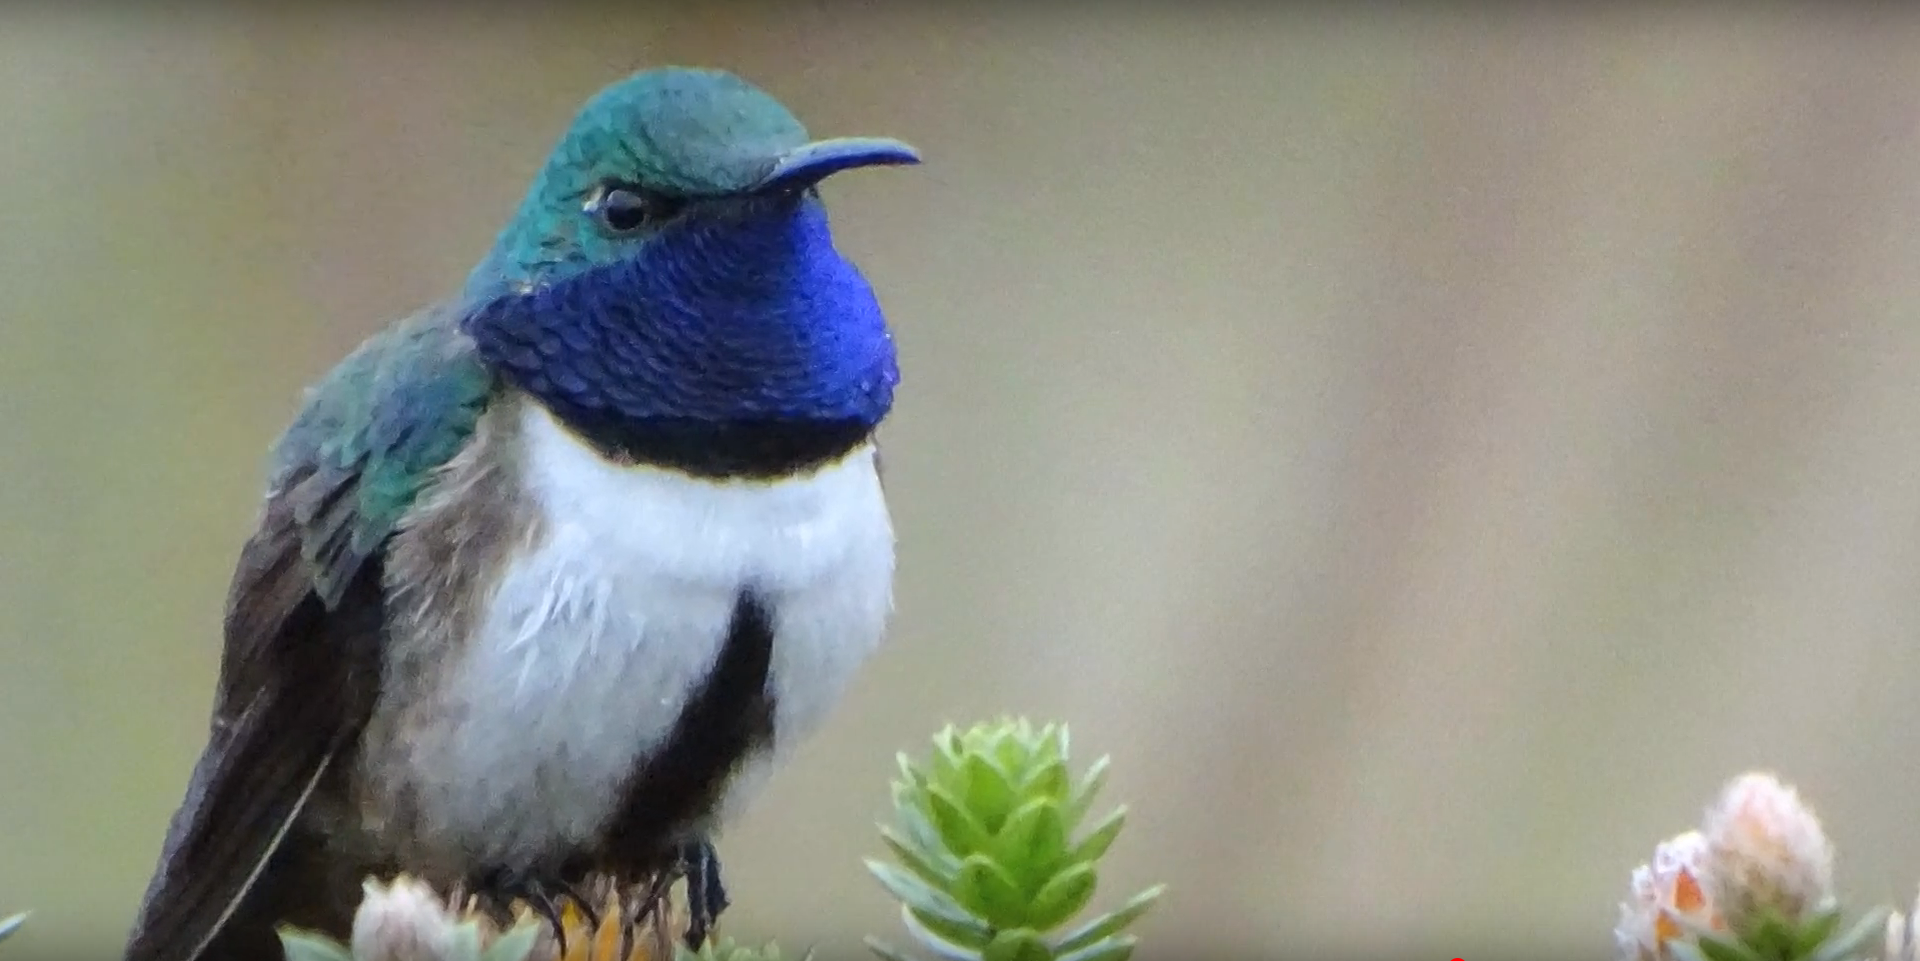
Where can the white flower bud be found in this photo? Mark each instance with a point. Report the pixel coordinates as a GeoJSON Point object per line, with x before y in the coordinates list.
{"type": "Point", "coordinates": [1668, 901]}
{"type": "Point", "coordinates": [1766, 853]}
{"type": "Point", "coordinates": [403, 921]}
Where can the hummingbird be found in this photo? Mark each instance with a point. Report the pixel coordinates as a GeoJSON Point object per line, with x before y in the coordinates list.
{"type": "Point", "coordinates": [552, 573]}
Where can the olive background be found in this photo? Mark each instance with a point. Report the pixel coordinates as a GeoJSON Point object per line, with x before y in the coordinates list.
{"type": "Point", "coordinates": [1431, 448]}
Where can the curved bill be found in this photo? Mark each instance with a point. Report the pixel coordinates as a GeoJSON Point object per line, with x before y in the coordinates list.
{"type": "Point", "coordinates": [820, 159]}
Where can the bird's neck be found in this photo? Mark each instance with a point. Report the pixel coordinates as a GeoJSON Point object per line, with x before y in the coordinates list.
{"type": "Point", "coordinates": [746, 347]}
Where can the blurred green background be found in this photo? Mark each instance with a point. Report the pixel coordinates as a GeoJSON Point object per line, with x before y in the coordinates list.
{"type": "Point", "coordinates": [1431, 450]}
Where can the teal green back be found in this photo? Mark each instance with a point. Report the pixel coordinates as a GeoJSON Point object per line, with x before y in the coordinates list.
{"type": "Point", "coordinates": [386, 417]}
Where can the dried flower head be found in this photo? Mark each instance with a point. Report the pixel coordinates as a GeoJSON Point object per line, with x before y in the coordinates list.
{"type": "Point", "coordinates": [402, 921]}
{"type": "Point", "coordinates": [1668, 903]}
{"type": "Point", "coordinates": [1767, 853]}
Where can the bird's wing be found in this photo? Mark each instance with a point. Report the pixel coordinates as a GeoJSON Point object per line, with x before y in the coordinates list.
{"type": "Point", "coordinates": [300, 668]}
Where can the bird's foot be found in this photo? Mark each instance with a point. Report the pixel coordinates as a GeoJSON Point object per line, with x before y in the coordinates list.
{"type": "Point", "coordinates": [698, 863]}
{"type": "Point", "coordinates": [545, 893]}
{"type": "Point", "coordinates": [706, 895]}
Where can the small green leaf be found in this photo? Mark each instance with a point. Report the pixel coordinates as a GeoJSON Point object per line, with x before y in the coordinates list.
{"type": "Point", "coordinates": [987, 890]}
{"type": "Point", "coordinates": [907, 796]}
{"type": "Point", "coordinates": [936, 868]}
{"type": "Point", "coordinates": [1719, 949]}
{"type": "Point", "coordinates": [1084, 793]}
{"type": "Point", "coordinates": [960, 832]}
{"type": "Point", "coordinates": [1854, 943]}
{"type": "Point", "coordinates": [1685, 951]}
{"type": "Point", "coordinates": [1032, 842]}
{"type": "Point", "coordinates": [1023, 740]}
{"type": "Point", "coordinates": [947, 753]}
{"type": "Point", "coordinates": [910, 774]}
{"type": "Point", "coordinates": [1007, 743]}
{"type": "Point", "coordinates": [12, 924]}
{"type": "Point", "coordinates": [1018, 944]}
{"type": "Point", "coordinates": [1054, 742]}
{"type": "Point", "coordinates": [1063, 897]}
{"type": "Point", "coordinates": [1100, 838]}
{"type": "Point", "coordinates": [925, 838]}
{"type": "Point", "coordinates": [989, 795]}
{"type": "Point", "coordinates": [944, 939]}
{"type": "Point", "coordinates": [1813, 932]}
{"type": "Point", "coordinates": [466, 942]}
{"type": "Point", "coordinates": [1047, 780]}
{"type": "Point", "coordinates": [887, 952]}
{"type": "Point", "coordinates": [1111, 923]}
{"type": "Point", "coordinates": [1111, 949]}
{"type": "Point", "coordinates": [311, 946]}
{"type": "Point", "coordinates": [934, 907]}
{"type": "Point", "coordinates": [514, 945]}
{"type": "Point", "coordinates": [1769, 936]}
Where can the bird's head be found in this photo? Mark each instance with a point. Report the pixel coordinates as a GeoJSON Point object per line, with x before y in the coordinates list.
{"type": "Point", "coordinates": [672, 260]}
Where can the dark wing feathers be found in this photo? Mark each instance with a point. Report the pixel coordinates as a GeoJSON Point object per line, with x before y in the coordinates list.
{"type": "Point", "coordinates": [291, 680]}
{"type": "Point", "coordinates": [300, 669]}
{"type": "Point", "coordinates": [324, 513]}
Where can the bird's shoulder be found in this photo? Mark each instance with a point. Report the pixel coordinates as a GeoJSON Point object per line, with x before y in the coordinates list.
{"type": "Point", "coordinates": [371, 433]}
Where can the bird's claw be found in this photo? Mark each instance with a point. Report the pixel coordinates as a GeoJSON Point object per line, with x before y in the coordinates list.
{"type": "Point", "coordinates": [696, 862]}
{"type": "Point", "coordinates": [544, 894]}
{"type": "Point", "coordinates": [706, 895]}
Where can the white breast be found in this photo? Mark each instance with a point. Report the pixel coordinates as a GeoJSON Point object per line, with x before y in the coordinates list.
{"type": "Point", "coordinates": [593, 642]}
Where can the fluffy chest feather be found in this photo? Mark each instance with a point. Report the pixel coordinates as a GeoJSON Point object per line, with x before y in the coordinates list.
{"type": "Point", "coordinates": [583, 654]}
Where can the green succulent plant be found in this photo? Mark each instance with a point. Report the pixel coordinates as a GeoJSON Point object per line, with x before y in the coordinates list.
{"type": "Point", "coordinates": [993, 855]}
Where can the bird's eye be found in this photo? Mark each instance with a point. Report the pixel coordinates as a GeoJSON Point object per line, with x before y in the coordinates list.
{"type": "Point", "coordinates": [623, 208]}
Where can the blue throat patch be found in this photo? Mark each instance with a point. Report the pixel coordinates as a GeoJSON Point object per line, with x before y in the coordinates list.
{"type": "Point", "coordinates": [740, 345]}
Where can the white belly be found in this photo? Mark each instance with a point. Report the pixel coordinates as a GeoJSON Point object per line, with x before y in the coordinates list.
{"type": "Point", "coordinates": [593, 643]}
